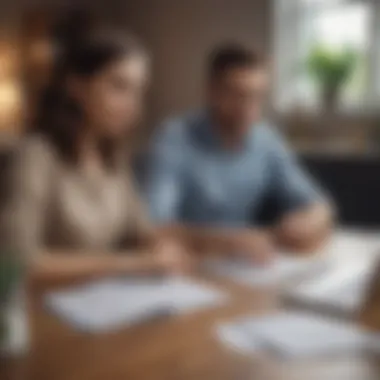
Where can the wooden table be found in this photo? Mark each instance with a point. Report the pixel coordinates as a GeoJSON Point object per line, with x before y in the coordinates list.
{"type": "Point", "coordinates": [178, 348]}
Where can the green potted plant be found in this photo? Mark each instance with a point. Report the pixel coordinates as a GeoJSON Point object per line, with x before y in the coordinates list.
{"type": "Point", "coordinates": [10, 283]}
{"type": "Point", "coordinates": [331, 69]}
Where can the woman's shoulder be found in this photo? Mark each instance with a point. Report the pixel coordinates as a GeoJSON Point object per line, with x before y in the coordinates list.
{"type": "Point", "coordinates": [34, 160]}
{"type": "Point", "coordinates": [35, 150]}
{"type": "Point", "coordinates": [35, 145]}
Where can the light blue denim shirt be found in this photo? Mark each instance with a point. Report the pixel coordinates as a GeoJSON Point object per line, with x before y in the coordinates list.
{"type": "Point", "coordinates": [192, 178]}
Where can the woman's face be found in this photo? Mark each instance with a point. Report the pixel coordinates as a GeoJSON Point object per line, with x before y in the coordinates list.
{"type": "Point", "coordinates": [112, 98]}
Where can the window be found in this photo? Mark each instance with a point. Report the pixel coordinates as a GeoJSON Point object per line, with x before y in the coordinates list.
{"type": "Point", "coordinates": [300, 25]}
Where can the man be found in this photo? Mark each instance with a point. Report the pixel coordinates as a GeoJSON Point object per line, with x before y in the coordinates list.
{"type": "Point", "coordinates": [211, 171]}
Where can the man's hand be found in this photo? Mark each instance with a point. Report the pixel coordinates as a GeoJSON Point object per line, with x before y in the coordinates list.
{"type": "Point", "coordinates": [257, 246]}
{"type": "Point", "coordinates": [307, 229]}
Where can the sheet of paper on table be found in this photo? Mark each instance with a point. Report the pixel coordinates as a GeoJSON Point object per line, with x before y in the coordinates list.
{"type": "Point", "coordinates": [341, 289]}
{"type": "Point", "coordinates": [295, 335]}
{"type": "Point", "coordinates": [111, 304]}
{"type": "Point", "coordinates": [283, 268]}
{"type": "Point", "coordinates": [352, 247]}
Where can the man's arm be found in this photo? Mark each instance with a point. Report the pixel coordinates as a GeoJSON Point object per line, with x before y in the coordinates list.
{"type": "Point", "coordinates": [307, 217]}
{"type": "Point", "coordinates": [249, 242]}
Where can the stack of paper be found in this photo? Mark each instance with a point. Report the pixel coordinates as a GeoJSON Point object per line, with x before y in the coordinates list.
{"type": "Point", "coordinates": [349, 247]}
{"type": "Point", "coordinates": [341, 289]}
{"type": "Point", "coordinates": [296, 335]}
{"type": "Point", "coordinates": [283, 268]}
{"type": "Point", "coordinates": [109, 304]}
{"type": "Point", "coordinates": [353, 246]}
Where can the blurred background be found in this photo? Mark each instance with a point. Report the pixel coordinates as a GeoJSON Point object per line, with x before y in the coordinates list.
{"type": "Point", "coordinates": [325, 60]}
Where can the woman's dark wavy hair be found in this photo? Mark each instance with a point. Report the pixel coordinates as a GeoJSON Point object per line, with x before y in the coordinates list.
{"type": "Point", "coordinates": [83, 49]}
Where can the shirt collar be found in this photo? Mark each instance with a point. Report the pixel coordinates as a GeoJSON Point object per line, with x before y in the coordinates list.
{"type": "Point", "coordinates": [208, 135]}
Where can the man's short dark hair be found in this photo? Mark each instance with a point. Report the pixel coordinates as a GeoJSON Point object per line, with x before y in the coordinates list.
{"type": "Point", "coordinates": [233, 56]}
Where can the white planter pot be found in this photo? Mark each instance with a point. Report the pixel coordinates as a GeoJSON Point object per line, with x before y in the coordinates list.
{"type": "Point", "coordinates": [16, 338]}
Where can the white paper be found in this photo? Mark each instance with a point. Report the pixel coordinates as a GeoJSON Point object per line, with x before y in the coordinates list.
{"type": "Point", "coordinates": [340, 289]}
{"type": "Point", "coordinates": [351, 247]}
{"type": "Point", "coordinates": [281, 269]}
{"type": "Point", "coordinates": [185, 295]}
{"type": "Point", "coordinates": [110, 304]}
{"type": "Point", "coordinates": [238, 340]}
{"type": "Point", "coordinates": [353, 255]}
{"type": "Point", "coordinates": [297, 335]}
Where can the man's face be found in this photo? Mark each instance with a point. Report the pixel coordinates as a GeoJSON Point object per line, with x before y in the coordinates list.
{"type": "Point", "coordinates": [237, 96]}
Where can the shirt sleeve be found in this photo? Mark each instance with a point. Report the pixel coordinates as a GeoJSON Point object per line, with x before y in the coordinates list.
{"type": "Point", "coordinates": [291, 186]}
{"type": "Point", "coordinates": [164, 185]}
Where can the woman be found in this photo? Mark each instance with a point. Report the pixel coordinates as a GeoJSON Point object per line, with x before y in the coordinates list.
{"type": "Point", "coordinates": [72, 199]}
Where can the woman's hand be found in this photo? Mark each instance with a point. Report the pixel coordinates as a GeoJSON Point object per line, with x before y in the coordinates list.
{"type": "Point", "coordinates": [171, 257]}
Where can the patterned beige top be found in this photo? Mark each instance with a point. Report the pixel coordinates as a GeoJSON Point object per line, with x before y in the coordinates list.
{"type": "Point", "coordinates": [53, 205]}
